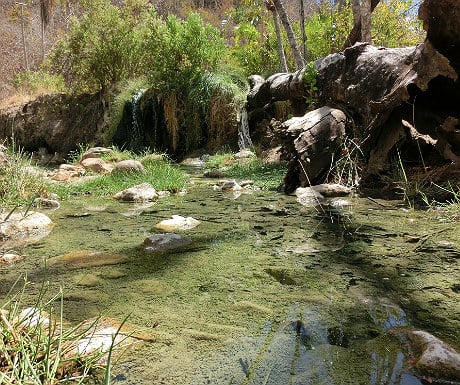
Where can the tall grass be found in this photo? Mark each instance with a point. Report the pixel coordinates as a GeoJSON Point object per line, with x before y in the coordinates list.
{"type": "Point", "coordinates": [35, 348]}
{"type": "Point", "coordinates": [20, 184]}
{"type": "Point", "coordinates": [162, 174]}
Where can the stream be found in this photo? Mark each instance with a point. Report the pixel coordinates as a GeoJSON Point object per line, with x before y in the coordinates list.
{"type": "Point", "coordinates": [268, 292]}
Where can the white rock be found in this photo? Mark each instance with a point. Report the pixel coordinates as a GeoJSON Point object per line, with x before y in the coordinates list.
{"type": "Point", "coordinates": [178, 222]}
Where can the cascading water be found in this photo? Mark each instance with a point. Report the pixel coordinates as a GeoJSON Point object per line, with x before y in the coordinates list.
{"type": "Point", "coordinates": [136, 134]}
{"type": "Point", "coordinates": [244, 137]}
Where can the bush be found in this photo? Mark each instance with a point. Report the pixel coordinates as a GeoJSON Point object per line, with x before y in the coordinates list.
{"type": "Point", "coordinates": [39, 82]}
{"type": "Point", "coordinates": [105, 45]}
{"type": "Point", "coordinates": [180, 51]}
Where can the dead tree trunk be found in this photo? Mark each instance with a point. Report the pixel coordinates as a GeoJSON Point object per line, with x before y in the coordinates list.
{"type": "Point", "coordinates": [397, 98]}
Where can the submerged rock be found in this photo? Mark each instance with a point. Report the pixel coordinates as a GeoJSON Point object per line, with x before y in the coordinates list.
{"type": "Point", "coordinates": [178, 222]}
{"type": "Point", "coordinates": [86, 258]}
{"type": "Point", "coordinates": [227, 185]}
{"type": "Point", "coordinates": [167, 241]}
{"type": "Point", "coordinates": [140, 193]}
{"type": "Point", "coordinates": [434, 357]}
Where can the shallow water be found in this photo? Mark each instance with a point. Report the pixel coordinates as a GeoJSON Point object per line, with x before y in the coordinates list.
{"type": "Point", "coordinates": [269, 292]}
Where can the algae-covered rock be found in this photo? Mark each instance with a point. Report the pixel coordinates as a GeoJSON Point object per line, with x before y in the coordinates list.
{"type": "Point", "coordinates": [85, 258]}
{"type": "Point", "coordinates": [167, 241]}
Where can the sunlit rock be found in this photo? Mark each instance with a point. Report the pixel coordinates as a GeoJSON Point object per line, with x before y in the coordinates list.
{"type": "Point", "coordinates": [178, 222]}
{"type": "Point", "coordinates": [245, 153]}
{"type": "Point", "coordinates": [325, 190]}
{"type": "Point", "coordinates": [167, 241]}
{"type": "Point", "coordinates": [20, 228]}
{"type": "Point", "coordinates": [9, 258]}
{"type": "Point", "coordinates": [193, 162]}
{"type": "Point", "coordinates": [227, 185]}
{"type": "Point", "coordinates": [104, 334]}
{"type": "Point", "coordinates": [128, 166]}
{"type": "Point", "coordinates": [96, 165]}
{"type": "Point", "coordinates": [308, 197]}
{"type": "Point", "coordinates": [96, 152]}
{"type": "Point", "coordinates": [48, 203]}
{"type": "Point", "coordinates": [66, 172]}
{"type": "Point", "coordinates": [140, 193]}
{"type": "Point", "coordinates": [32, 316]}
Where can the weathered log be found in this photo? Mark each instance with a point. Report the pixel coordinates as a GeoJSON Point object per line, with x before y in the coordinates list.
{"type": "Point", "coordinates": [401, 99]}
{"type": "Point", "coordinates": [312, 140]}
{"type": "Point", "coordinates": [280, 86]}
{"type": "Point", "coordinates": [441, 21]}
{"type": "Point", "coordinates": [379, 87]}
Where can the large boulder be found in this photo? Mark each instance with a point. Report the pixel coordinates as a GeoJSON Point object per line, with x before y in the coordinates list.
{"type": "Point", "coordinates": [56, 122]}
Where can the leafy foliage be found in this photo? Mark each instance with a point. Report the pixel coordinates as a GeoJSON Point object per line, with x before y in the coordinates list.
{"type": "Point", "coordinates": [180, 51]}
{"type": "Point", "coordinates": [393, 24]}
{"type": "Point", "coordinates": [105, 45]}
{"type": "Point", "coordinates": [328, 28]}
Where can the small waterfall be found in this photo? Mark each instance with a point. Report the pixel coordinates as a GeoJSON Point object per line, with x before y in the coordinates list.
{"type": "Point", "coordinates": [244, 138]}
{"type": "Point", "coordinates": [136, 134]}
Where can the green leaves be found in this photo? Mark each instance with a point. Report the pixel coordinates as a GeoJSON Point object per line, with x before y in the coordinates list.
{"type": "Point", "coordinates": [104, 46]}
{"type": "Point", "coordinates": [182, 50]}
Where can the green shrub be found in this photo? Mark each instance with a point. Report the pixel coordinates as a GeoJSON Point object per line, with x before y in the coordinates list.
{"type": "Point", "coordinates": [105, 45]}
{"type": "Point", "coordinates": [39, 82]}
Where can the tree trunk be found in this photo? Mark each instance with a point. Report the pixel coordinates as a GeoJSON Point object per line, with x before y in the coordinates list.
{"type": "Point", "coordinates": [394, 96]}
{"type": "Point", "coordinates": [366, 21]}
{"type": "Point", "coordinates": [356, 32]}
{"type": "Point", "coordinates": [24, 45]}
{"type": "Point", "coordinates": [290, 33]}
{"type": "Point", "coordinates": [302, 29]}
{"type": "Point", "coordinates": [279, 38]}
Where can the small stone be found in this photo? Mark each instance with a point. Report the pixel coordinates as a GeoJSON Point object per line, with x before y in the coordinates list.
{"type": "Point", "coordinates": [10, 258]}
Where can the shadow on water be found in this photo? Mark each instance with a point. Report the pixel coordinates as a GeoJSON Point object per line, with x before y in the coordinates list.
{"type": "Point", "coordinates": [269, 292]}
